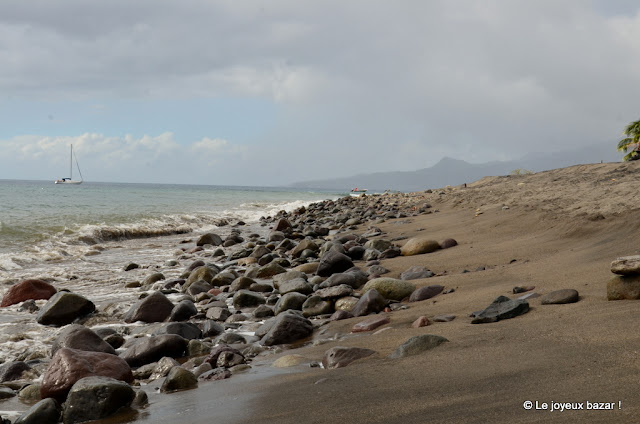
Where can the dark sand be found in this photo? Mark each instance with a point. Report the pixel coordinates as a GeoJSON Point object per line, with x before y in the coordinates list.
{"type": "Point", "coordinates": [563, 228]}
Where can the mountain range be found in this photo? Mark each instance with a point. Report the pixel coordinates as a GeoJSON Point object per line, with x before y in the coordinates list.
{"type": "Point", "coordinates": [451, 171]}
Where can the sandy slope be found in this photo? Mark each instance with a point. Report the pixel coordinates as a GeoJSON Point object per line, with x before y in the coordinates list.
{"type": "Point", "coordinates": [563, 228]}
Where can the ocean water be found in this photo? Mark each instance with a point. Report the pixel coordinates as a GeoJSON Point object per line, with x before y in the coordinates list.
{"type": "Point", "coordinates": [79, 237]}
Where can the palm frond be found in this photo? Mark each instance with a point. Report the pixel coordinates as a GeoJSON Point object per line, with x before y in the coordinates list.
{"type": "Point", "coordinates": [623, 144]}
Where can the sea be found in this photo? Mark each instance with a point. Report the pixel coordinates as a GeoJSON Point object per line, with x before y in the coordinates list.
{"type": "Point", "coordinates": [80, 237]}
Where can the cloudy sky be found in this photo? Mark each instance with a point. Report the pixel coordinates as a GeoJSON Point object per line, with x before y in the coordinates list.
{"type": "Point", "coordinates": [271, 92]}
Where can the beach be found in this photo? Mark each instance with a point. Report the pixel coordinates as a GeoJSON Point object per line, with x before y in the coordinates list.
{"type": "Point", "coordinates": [551, 230]}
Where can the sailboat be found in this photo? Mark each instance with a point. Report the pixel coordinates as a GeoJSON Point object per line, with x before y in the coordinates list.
{"type": "Point", "coordinates": [70, 180]}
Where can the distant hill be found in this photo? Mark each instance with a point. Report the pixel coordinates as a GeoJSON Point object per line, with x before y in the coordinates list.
{"type": "Point", "coordinates": [455, 171]}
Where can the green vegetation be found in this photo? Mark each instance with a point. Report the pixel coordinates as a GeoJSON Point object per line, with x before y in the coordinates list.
{"type": "Point", "coordinates": [521, 171]}
{"type": "Point", "coordinates": [632, 141]}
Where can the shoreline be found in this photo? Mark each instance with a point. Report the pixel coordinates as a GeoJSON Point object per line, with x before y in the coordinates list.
{"type": "Point", "coordinates": [575, 352]}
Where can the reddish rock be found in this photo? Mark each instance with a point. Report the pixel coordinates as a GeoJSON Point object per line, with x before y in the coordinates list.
{"type": "Point", "coordinates": [420, 322]}
{"type": "Point", "coordinates": [370, 324]}
{"type": "Point", "coordinates": [70, 365]}
{"type": "Point", "coordinates": [28, 289]}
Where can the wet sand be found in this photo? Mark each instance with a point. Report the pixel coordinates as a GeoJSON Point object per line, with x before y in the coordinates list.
{"type": "Point", "coordinates": [552, 237]}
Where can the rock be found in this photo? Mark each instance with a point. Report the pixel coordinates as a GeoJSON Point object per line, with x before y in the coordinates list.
{"type": "Point", "coordinates": [415, 273]}
{"type": "Point", "coordinates": [269, 270]}
{"type": "Point", "coordinates": [30, 394]}
{"type": "Point", "coordinates": [13, 370]}
{"type": "Point", "coordinates": [448, 243]}
{"type": "Point", "coordinates": [179, 379]}
{"type": "Point", "coordinates": [287, 328]}
{"type": "Point", "coordinates": [211, 328]}
{"type": "Point", "coordinates": [27, 289]}
{"type": "Point", "coordinates": [70, 365]}
{"type": "Point", "coordinates": [424, 293]}
{"type": "Point", "coordinates": [204, 273]}
{"type": "Point", "coordinates": [182, 311]}
{"type": "Point", "coordinates": [151, 349]}
{"type": "Point", "coordinates": [63, 308]}
{"type": "Point", "coordinates": [444, 318]}
{"type": "Point", "coordinates": [315, 306]}
{"type": "Point", "coordinates": [417, 344]}
{"type": "Point", "coordinates": [623, 287]}
{"type": "Point", "coordinates": [501, 308]}
{"type": "Point", "coordinates": [153, 278]}
{"type": "Point", "coordinates": [186, 330]}
{"type": "Point", "coordinates": [559, 297]}
{"type": "Point", "coordinates": [338, 357]}
{"type": "Point", "coordinates": [420, 322]}
{"type": "Point", "coordinates": [371, 302]}
{"type": "Point", "coordinates": [340, 314]}
{"type": "Point", "coordinates": [418, 246]}
{"type": "Point", "coordinates": [76, 336]}
{"type": "Point", "coordinates": [334, 292]}
{"type": "Point", "coordinates": [289, 361]}
{"type": "Point", "coordinates": [333, 262]}
{"type": "Point", "coordinates": [377, 270]}
{"type": "Point", "coordinates": [224, 356]}
{"type": "Point", "coordinates": [291, 300]}
{"type": "Point", "coordinates": [215, 374]}
{"type": "Point", "coordinates": [241, 283]}
{"type": "Point", "coordinates": [370, 324]}
{"type": "Point", "coordinates": [247, 299]}
{"type": "Point", "coordinates": [218, 313]}
{"type": "Point", "coordinates": [390, 288]}
{"type": "Point", "coordinates": [283, 225]}
{"type": "Point", "coordinates": [130, 266]}
{"type": "Point", "coordinates": [342, 278]}
{"type": "Point", "coordinates": [518, 289]}
{"type": "Point", "coordinates": [209, 238]}
{"type": "Point", "coordinates": [153, 308]}
{"type": "Point", "coordinates": [306, 244]}
{"type": "Point", "coordinates": [45, 411]}
{"type": "Point", "coordinates": [198, 287]}
{"type": "Point", "coordinates": [162, 367]}
{"type": "Point", "coordinates": [627, 265]}
{"type": "Point", "coordinates": [298, 285]}
{"type": "Point", "coordinates": [93, 398]}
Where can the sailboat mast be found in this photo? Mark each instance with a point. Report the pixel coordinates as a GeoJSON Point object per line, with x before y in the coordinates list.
{"type": "Point", "coordinates": [71, 164]}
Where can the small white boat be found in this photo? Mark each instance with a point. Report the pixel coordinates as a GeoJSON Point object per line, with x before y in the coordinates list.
{"type": "Point", "coordinates": [357, 192]}
{"type": "Point", "coordinates": [70, 180]}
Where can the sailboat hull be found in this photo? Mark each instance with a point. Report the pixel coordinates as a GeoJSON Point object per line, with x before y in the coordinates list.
{"type": "Point", "coordinates": [67, 182]}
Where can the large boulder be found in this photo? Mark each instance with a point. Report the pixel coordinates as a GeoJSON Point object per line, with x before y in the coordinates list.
{"type": "Point", "coordinates": [333, 262]}
{"type": "Point", "coordinates": [154, 308]}
{"type": "Point", "coordinates": [287, 328]}
{"type": "Point", "coordinates": [63, 308]}
{"type": "Point", "coordinates": [70, 365]}
{"type": "Point", "coordinates": [390, 288]}
{"type": "Point", "coordinates": [93, 398]}
{"type": "Point", "coordinates": [418, 246]}
{"type": "Point", "coordinates": [28, 289]}
{"type": "Point", "coordinates": [151, 349]}
{"type": "Point", "coordinates": [76, 336]}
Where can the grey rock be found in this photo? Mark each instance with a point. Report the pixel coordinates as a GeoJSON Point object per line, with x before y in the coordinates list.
{"type": "Point", "coordinates": [501, 308]}
{"type": "Point", "coordinates": [93, 398]}
{"type": "Point", "coordinates": [417, 344]}
{"type": "Point", "coordinates": [63, 308]}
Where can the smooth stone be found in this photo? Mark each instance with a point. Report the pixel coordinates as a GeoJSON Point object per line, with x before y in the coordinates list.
{"type": "Point", "coordinates": [287, 328]}
{"type": "Point", "coordinates": [46, 411]}
{"type": "Point", "coordinates": [416, 272]}
{"type": "Point", "coordinates": [292, 300]}
{"type": "Point", "coordinates": [370, 324]}
{"type": "Point", "coordinates": [315, 305]}
{"type": "Point", "coordinates": [390, 288]}
{"type": "Point", "coordinates": [334, 292]}
{"type": "Point", "coordinates": [76, 336]}
{"type": "Point", "coordinates": [338, 357]}
{"type": "Point", "coordinates": [93, 398]}
{"type": "Point", "coordinates": [444, 318]}
{"type": "Point", "coordinates": [417, 344]}
{"type": "Point", "coordinates": [288, 361]}
{"type": "Point", "coordinates": [209, 238]}
{"type": "Point", "coordinates": [32, 289]}
{"type": "Point", "coordinates": [559, 297]}
{"type": "Point", "coordinates": [418, 246]}
{"type": "Point", "coordinates": [371, 302]}
{"type": "Point", "coordinates": [179, 379]}
{"type": "Point", "coordinates": [420, 322]}
{"type": "Point", "coordinates": [247, 299]}
{"type": "Point", "coordinates": [13, 370]}
{"type": "Point", "coordinates": [333, 262]}
{"type": "Point", "coordinates": [424, 293]}
{"type": "Point", "coordinates": [151, 349]}
{"type": "Point", "coordinates": [63, 308]}
{"type": "Point", "coordinates": [518, 289]}
{"type": "Point", "coordinates": [447, 243]}
{"type": "Point", "coordinates": [154, 308]}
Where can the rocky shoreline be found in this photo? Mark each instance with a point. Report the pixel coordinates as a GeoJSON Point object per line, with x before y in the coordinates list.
{"type": "Point", "coordinates": [345, 289]}
{"type": "Point", "coordinates": [238, 298]}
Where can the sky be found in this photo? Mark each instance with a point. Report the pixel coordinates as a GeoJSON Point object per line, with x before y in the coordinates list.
{"type": "Point", "coordinates": [267, 93]}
